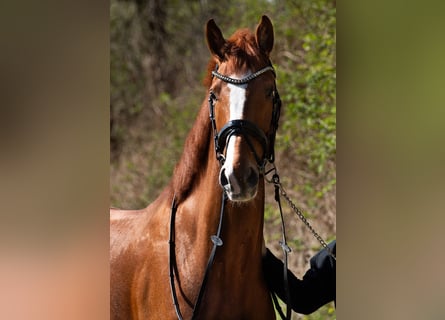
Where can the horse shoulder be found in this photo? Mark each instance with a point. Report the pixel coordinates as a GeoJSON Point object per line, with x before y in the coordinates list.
{"type": "Point", "coordinates": [138, 257]}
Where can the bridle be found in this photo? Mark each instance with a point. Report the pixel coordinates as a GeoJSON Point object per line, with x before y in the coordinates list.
{"type": "Point", "coordinates": [244, 127]}
{"type": "Point", "coordinates": [233, 127]}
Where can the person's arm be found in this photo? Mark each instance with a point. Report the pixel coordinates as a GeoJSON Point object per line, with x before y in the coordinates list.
{"type": "Point", "coordinates": [315, 289]}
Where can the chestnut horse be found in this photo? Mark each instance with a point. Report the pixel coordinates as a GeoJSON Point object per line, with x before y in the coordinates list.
{"type": "Point", "coordinates": [166, 261]}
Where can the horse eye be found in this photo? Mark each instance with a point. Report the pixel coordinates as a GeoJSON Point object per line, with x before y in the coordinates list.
{"type": "Point", "coordinates": [213, 95]}
{"type": "Point", "coordinates": [269, 92]}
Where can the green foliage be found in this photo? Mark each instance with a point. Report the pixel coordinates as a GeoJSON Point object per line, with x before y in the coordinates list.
{"type": "Point", "coordinates": [307, 79]}
{"type": "Point", "coordinates": [126, 74]}
{"type": "Point", "coordinates": [325, 312]}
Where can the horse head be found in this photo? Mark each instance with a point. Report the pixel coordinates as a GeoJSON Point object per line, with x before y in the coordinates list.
{"type": "Point", "coordinates": [244, 106]}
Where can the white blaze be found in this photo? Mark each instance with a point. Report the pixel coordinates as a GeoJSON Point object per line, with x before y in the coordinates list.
{"type": "Point", "coordinates": [237, 99]}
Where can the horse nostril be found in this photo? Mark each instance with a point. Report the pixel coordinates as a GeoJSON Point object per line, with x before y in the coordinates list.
{"type": "Point", "coordinates": [252, 179]}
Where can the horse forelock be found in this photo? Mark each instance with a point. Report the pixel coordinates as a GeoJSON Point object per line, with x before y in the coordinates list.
{"type": "Point", "coordinates": [240, 51]}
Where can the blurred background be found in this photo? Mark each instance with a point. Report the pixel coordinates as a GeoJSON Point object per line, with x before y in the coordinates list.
{"type": "Point", "coordinates": [158, 59]}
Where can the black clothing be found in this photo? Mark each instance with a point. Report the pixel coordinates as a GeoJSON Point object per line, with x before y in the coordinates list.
{"type": "Point", "coordinates": [315, 289]}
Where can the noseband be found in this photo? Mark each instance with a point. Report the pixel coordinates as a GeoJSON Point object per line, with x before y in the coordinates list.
{"type": "Point", "coordinates": [244, 127]}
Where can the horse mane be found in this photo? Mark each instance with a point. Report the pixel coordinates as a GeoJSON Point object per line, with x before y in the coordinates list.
{"type": "Point", "coordinates": [240, 50]}
{"type": "Point", "coordinates": [194, 155]}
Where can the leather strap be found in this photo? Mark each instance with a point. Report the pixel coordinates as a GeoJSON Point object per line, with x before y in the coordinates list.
{"type": "Point", "coordinates": [217, 242]}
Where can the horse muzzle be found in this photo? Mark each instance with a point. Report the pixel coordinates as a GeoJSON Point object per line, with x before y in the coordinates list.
{"type": "Point", "coordinates": [239, 175]}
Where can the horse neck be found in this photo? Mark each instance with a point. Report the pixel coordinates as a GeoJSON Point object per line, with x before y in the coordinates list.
{"type": "Point", "coordinates": [243, 230]}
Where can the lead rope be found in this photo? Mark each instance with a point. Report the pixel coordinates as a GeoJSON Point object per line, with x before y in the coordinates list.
{"type": "Point", "coordinates": [279, 190]}
{"type": "Point", "coordinates": [297, 210]}
{"type": "Point", "coordinates": [285, 247]}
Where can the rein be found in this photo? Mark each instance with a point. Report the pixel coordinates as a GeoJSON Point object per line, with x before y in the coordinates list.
{"type": "Point", "coordinates": [217, 242]}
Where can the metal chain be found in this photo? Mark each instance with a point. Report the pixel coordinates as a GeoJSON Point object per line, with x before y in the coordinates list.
{"type": "Point", "coordinates": [276, 181]}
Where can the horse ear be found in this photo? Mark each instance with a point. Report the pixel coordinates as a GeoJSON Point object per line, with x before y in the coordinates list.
{"type": "Point", "coordinates": [264, 35]}
{"type": "Point", "coordinates": [215, 39]}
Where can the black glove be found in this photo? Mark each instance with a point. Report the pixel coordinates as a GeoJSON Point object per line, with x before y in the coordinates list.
{"type": "Point", "coordinates": [315, 289]}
